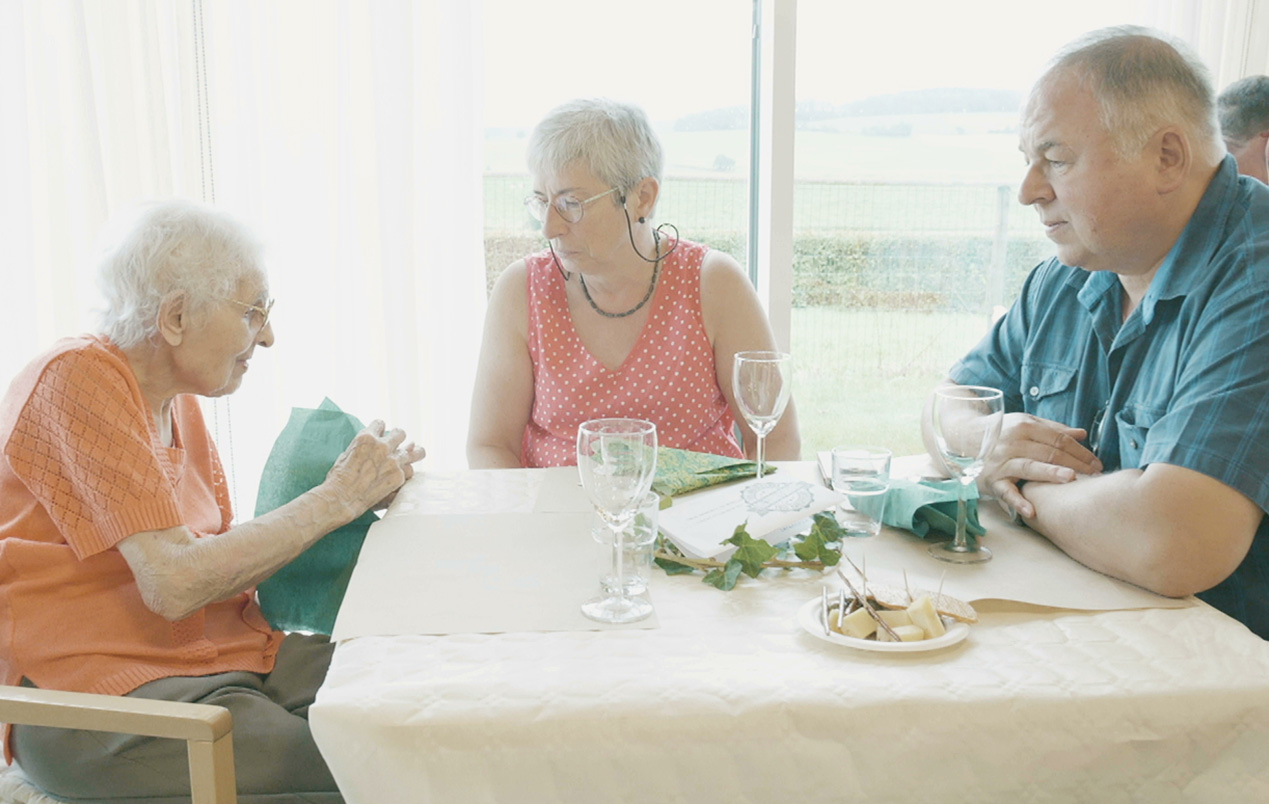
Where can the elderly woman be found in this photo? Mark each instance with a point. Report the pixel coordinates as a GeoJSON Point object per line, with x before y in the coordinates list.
{"type": "Point", "coordinates": [615, 318]}
{"type": "Point", "coordinates": [121, 570]}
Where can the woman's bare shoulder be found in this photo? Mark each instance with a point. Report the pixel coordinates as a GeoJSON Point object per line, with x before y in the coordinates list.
{"type": "Point", "coordinates": [510, 289]}
{"type": "Point", "coordinates": [722, 274]}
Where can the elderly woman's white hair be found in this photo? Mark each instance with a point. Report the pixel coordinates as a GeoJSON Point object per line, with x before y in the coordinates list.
{"type": "Point", "coordinates": [166, 248]}
{"type": "Point", "coordinates": [1143, 81]}
{"type": "Point", "coordinates": [614, 140]}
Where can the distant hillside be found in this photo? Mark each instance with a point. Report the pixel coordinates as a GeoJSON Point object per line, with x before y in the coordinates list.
{"type": "Point", "coordinates": [943, 100]}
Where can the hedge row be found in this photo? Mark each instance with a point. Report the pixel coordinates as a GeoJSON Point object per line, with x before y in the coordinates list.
{"type": "Point", "coordinates": [928, 273]}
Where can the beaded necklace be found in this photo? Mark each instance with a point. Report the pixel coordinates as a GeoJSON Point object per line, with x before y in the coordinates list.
{"type": "Point", "coordinates": [656, 271]}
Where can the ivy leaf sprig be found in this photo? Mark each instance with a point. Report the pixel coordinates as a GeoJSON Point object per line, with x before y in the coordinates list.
{"type": "Point", "coordinates": [818, 549]}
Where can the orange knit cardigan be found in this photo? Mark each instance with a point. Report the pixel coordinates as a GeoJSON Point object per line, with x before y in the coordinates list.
{"type": "Point", "coordinates": [83, 468]}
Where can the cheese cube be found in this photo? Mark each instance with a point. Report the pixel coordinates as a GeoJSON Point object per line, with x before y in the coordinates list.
{"type": "Point", "coordinates": [909, 633]}
{"type": "Point", "coordinates": [858, 624]}
{"type": "Point", "coordinates": [926, 618]}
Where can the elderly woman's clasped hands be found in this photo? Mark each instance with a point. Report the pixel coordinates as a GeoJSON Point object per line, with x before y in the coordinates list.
{"type": "Point", "coordinates": [372, 469]}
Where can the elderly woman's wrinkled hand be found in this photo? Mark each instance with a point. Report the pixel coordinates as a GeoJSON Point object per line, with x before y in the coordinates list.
{"type": "Point", "coordinates": [1031, 448]}
{"type": "Point", "coordinates": [377, 462]}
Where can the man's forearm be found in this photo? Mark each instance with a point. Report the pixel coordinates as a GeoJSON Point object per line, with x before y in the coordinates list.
{"type": "Point", "coordinates": [1095, 520]}
{"type": "Point", "coordinates": [1166, 529]}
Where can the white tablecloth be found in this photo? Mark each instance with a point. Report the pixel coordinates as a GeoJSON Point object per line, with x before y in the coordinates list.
{"type": "Point", "coordinates": [729, 701]}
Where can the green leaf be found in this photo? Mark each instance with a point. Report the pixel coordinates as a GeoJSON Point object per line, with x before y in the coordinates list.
{"type": "Point", "coordinates": [750, 553]}
{"type": "Point", "coordinates": [828, 525]}
{"type": "Point", "coordinates": [725, 578]}
{"type": "Point", "coordinates": [818, 544]}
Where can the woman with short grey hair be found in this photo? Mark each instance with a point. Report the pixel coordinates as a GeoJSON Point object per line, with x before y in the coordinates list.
{"type": "Point", "coordinates": [123, 571]}
{"type": "Point", "coordinates": [617, 316]}
{"type": "Point", "coordinates": [615, 139]}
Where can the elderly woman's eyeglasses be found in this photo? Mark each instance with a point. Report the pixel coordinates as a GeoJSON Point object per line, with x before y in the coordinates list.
{"type": "Point", "coordinates": [570, 208]}
{"type": "Point", "coordinates": [257, 316]}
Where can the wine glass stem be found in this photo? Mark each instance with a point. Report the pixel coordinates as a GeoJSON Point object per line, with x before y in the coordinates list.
{"type": "Point", "coordinates": [618, 561]}
{"type": "Point", "coordinates": [761, 444]}
{"type": "Point", "coordinates": [962, 535]}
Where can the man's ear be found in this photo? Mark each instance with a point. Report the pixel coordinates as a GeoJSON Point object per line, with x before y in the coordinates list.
{"type": "Point", "coordinates": [1174, 158]}
{"type": "Point", "coordinates": [174, 318]}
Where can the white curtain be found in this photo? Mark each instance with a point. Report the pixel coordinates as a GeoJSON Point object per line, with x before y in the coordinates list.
{"type": "Point", "coordinates": [347, 134]}
{"type": "Point", "coordinates": [351, 132]}
{"type": "Point", "coordinates": [1232, 36]}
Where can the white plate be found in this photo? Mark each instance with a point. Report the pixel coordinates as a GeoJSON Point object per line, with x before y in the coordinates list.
{"type": "Point", "coordinates": [809, 619]}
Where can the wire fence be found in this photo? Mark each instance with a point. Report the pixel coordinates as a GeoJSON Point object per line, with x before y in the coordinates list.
{"type": "Point", "coordinates": [892, 283]}
{"type": "Point", "coordinates": [949, 247]}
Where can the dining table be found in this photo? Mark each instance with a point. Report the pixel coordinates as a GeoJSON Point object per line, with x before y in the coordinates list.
{"type": "Point", "coordinates": [729, 696]}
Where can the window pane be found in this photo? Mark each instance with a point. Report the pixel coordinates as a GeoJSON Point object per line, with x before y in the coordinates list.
{"type": "Point", "coordinates": [908, 236]}
{"type": "Point", "coordinates": [686, 64]}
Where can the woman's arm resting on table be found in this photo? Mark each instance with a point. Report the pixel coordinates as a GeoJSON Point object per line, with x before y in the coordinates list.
{"type": "Point", "coordinates": [1168, 529]}
{"type": "Point", "coordinates": [1029, 448]}
{"type": "Point", "coordinates": [178, 574]}
{"type": "Point", "coordinates": [502, 398]}
{"type": "Point", "coordinates": [734, 322]}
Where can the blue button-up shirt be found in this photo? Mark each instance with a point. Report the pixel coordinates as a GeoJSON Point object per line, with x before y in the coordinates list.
{"type": "Point", "coordinates": [1183, 381]}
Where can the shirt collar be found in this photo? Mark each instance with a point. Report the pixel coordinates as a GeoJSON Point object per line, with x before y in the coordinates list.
{"type": "Point", "coordinates": [1176, 274]}
{"type": "Point", "coordinates": [1093, 286]}
{"type": "Point", "coordinates": [1199, 239]}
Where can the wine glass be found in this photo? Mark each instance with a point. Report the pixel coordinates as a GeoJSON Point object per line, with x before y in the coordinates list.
{"type": "Point", "coordinates": [616, 459]}
{"type": "Point", "coordinates": [762, 382]}
{"type": "Point", "coordinates": [966, 423]}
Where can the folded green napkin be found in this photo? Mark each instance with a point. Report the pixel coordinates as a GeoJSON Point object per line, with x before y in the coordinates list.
{"type": "Point", "coordinates": [927, 506]}
{"type": "Point", "coordinates": [680, 471]}
{"type": "Point", "coordinates": [305, 594]}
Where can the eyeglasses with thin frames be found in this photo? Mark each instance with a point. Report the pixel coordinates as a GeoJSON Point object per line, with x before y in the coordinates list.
{"type": "Point", "coordinates": [259, 316]}
{"type": "Point", "coordinates": [569, 208]}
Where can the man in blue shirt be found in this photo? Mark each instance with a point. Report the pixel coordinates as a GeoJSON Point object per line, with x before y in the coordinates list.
{"type": "Point", "coordinates": [1135, 364]}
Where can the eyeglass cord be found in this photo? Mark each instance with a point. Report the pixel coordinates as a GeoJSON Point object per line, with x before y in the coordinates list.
{"type": "Point", "coordinates": [656, 271]}
{"type": "Point", "coordinates": [656, 267]}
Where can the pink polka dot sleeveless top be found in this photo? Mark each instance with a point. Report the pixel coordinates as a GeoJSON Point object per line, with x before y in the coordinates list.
{"type": "Point", "coordinates": [668, 377]}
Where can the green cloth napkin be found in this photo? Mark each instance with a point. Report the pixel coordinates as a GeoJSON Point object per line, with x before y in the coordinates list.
{"type": "Point", "coordinates": [927, 506]}
{"type": "Point", "coordinates": [680, 471]}
{"type": "Point", "coordinates": [305, 594]}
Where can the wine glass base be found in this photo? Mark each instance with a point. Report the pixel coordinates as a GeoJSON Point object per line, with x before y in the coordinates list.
{"type": "Point", "coordinates": [617, 609]}
{"type": "Point", "coordinates": [960, 555]}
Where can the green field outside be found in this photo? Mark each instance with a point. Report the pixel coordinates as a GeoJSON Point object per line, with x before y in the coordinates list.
{"type": "Point", "coordinates": [862, 376]}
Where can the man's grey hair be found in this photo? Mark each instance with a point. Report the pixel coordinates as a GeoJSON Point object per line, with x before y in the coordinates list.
{"type": "Point", "coordinates": [165, 248]}
{"type": "Point", "coordinates": [1244, 108]}
{"type": "Point", "coordinates": [1143, 81]}
{"type": "Point", "coordinates": [613, 140]}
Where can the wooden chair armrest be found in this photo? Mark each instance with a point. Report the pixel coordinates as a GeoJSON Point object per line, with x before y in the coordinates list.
{"type": "Point", "coordinates": [82, 710]}
{"type": "Point", "coordinates": [207, 730]}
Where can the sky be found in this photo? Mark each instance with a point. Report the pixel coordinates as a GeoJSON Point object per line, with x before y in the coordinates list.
{"type": "Point", "coordinates": [675, 57]}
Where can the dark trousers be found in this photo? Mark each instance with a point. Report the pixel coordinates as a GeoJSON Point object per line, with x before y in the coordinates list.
{"type": "Point", "coordinates": [275, 758]}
